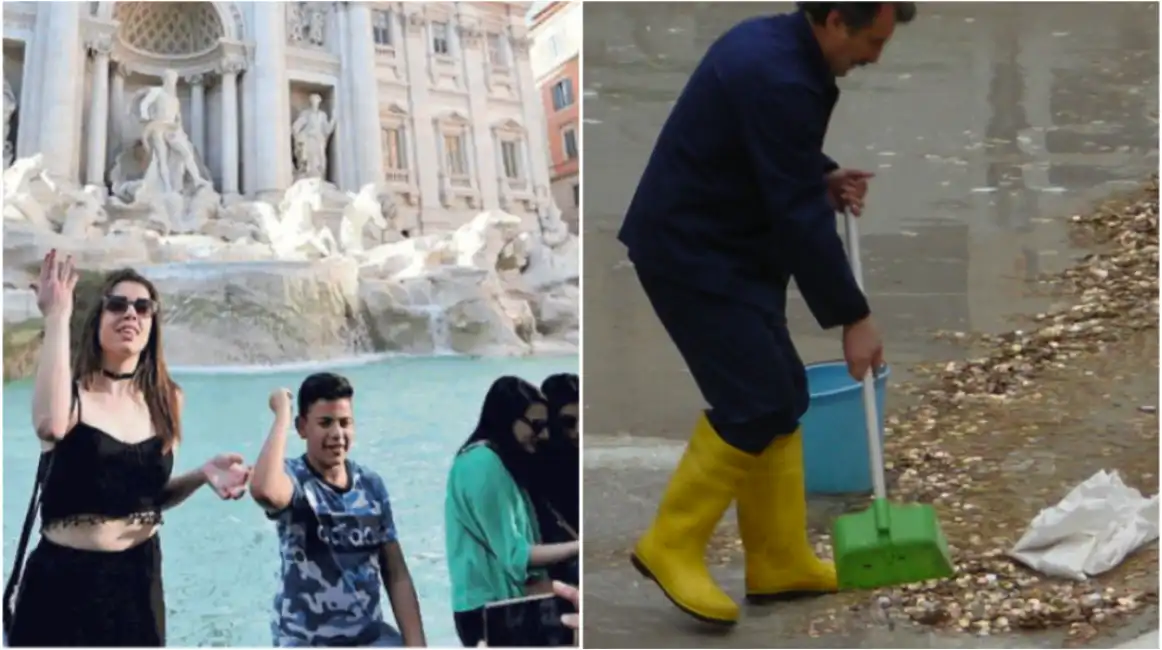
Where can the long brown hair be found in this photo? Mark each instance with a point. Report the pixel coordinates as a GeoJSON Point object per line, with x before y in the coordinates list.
{"type": "Point", "coordinates": [152, 375]}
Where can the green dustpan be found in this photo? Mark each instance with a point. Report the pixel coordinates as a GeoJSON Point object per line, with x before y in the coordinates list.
{"type": "Point", "coordinates": [887, 544]}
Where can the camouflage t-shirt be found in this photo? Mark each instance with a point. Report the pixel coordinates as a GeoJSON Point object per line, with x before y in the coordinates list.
{"type": "Point", "coordinates": [329, 542]}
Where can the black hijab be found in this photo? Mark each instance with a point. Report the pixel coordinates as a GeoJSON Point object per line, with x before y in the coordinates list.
{"type": "Point", "coordinates": [507, 401]}
{"type": "Point", "coordinates": [560, 469]}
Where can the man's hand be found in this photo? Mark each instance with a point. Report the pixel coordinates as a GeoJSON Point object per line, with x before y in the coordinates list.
{"type": "Point", "coordinates": [862, 348]}
{"type": "Point", "coordinates": [846, 189]}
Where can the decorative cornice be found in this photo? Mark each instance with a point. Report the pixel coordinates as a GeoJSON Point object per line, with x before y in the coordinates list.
{"type": "Point", "coordinates": [100, 44]}
{"type": "Point", "coordinates": [231, 65]}
{"type": "Point", "coordinates": [470, 35]}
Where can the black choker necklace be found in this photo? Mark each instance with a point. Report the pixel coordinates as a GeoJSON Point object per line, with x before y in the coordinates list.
{"type": "Point", "coordinates": [118, 375]}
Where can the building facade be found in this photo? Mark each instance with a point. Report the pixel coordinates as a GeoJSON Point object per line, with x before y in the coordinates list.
{"type": "Point", "coordinates": [556, 47]}
{"type": "Point", "coordinates": [436, 100]}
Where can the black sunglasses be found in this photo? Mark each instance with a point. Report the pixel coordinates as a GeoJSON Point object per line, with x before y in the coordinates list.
{"type": "Point", "coordinates": [121, 304]}
{"type": "Point", "coordinates": [536, 425]}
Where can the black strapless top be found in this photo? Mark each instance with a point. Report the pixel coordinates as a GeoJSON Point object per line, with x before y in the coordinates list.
{"type": "Point", "coordinates": [96, 477]}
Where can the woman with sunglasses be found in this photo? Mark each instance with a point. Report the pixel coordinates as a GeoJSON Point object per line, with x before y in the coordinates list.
{"type": "Point", "coordinates": [558, 492]}
{"type": "Point", "coordinates": [110, 426]}
{"type": "Point", "coordinates": [492, 538]}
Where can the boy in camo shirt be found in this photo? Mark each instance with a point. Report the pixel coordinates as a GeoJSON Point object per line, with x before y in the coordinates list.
{"type": "Point", "coordinates": [336, 535]}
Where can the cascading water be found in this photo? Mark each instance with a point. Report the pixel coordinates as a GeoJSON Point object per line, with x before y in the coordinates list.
{"type": "Point", "coordinates": [421, 301]}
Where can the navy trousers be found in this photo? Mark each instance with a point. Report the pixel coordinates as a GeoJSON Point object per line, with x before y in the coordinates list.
{"type": "Point", "coordinates": [741, 357]}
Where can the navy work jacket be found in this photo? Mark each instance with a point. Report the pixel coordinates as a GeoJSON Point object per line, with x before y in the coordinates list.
{"type": "Point", "coordinates": [733, 200]}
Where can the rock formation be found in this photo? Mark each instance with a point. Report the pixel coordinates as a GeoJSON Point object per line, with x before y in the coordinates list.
{"type": "Point", "coordinates": [254, 283]}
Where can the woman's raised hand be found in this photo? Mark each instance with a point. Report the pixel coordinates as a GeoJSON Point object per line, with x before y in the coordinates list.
{"type": "Point", "coordinates": [227, 474]}
{"type": "Point", "coordinates": [55, 286]}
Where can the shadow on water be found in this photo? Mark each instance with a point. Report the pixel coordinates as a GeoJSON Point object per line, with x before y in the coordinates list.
{"type": "Point", "coordinates": [987, 125]}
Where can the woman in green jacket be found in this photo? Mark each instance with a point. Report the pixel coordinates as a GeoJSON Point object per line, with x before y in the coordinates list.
{"type": "Point", "coordinates": [492, 538]}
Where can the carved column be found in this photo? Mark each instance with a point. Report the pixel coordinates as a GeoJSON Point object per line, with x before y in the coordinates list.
{"type": "Point", "coordinates": [534, 123]}
{"type": "Point", "coordinates": [484, 149]}
{"type": "Point", "coordinates": [268, 118]}
{"type": "Point", "coordinates": [229, 70]}
{"type": "Point", "coordinates": [95, 159]}
{"type": "Point", "coordinates": [58, 111]}
{"type": "Point", "coordinates": [198, 112]}
{"type": "Point", "coordinates": [426, 141]}
{"type": "Point", "coordinates": [366, 97]}
{"type": "Point", "coordinates": [117, 105]}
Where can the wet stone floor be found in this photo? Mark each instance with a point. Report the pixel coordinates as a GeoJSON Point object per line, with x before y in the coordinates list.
{"type": "Point", "coordinates": [987, 125]}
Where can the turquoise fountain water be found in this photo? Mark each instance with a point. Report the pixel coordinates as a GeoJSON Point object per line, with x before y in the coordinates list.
{"type": "Point", "coordinates": [221, 564]}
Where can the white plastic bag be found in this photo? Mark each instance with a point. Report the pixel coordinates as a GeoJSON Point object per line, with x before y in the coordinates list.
{"type": "Point", "coordinates": [1090, 531]}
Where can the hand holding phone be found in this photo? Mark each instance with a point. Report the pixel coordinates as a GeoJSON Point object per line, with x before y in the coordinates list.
{"type": "Point", "coordinates": [528, 622]}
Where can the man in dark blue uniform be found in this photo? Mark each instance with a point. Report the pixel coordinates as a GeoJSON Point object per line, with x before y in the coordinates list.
{"type": "Point", "coordinates": [738, 198]}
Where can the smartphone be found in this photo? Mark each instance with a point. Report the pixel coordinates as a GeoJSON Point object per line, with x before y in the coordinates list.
{"type": "Point", "coordinates": [528, 622]}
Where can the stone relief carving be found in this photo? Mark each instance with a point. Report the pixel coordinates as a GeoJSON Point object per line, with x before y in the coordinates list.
{"type": "Point", "coordinates": [9, 108]}
{"type": "Point", "coordinates": [296, 23]}
{"type": "Point", "coordinates": [306, 23]}
{"type": "Point", "coordinates": [311, 131]}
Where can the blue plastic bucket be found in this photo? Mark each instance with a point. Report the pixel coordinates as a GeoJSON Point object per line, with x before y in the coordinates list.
{"type": "Point", "coordinates": [835, 449]}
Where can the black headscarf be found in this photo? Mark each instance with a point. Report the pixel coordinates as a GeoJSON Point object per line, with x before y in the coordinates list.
{"type": "Point", "coordinates": [559, 472]}
{"type": "Point", "coordinates": [507, 401]}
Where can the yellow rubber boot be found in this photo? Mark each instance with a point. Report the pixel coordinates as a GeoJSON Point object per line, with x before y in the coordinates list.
{"type": "Point", "coordinates": [672, 552]}
{"type": "Point", "coordinates": [772, 520]}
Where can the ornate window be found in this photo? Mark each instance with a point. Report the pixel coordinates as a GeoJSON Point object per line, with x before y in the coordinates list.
{"type": "Point", "coordinates": [381, 27]}
{"type": "Point", "coordinates": [510, 156]}
{"type": "Point", "coordinates": [569, 141]}
{"type": "Point", "coordinates": [455, 156]}
{"type": "Point", "coordinates": [496, 53]}
{"type": "Point", "coordinates": [393, 133]}
{"type": "Point", "coordinates": [562, 94]}
{"type": "Point", "coordinates": [440, 38]}
{"type": "Point", "coordinates": [394, 149]}
{"type": "Point", "coordinates": [454, 141]}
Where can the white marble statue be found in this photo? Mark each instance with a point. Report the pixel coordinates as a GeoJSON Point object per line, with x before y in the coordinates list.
{"type": "Point", "coordinates": [20, 202]}
{"type": "Point", "coordinates": [554, 230]}
{"type": "Point", "coordinates": [364, 208]}
{"type": "Point", "coordinates": [311, 130]}
{"type": "Point", "coordinates": [9, 109]}
{"type": "Point", "coordinates": [295, 232]}
{"type": "Point", "coordinates": [85, 211]}
{"type": "Point", "coordinates": [172, 155]}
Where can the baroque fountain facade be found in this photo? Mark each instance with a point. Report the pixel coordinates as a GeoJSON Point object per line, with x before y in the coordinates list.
{"type": "Point", "coordinates": [303, 180]}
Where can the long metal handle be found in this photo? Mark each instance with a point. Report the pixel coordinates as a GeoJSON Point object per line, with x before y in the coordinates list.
{"type": "Point", "coordinates": [871, 415]}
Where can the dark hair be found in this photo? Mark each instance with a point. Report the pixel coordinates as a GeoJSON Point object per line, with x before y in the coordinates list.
{"type": "Point", "coordinates": [856, 15]}
{"type": "Point", "coordinates": [151, 377]}
{"type": "Point", "coordinates": [558, 474]}
{"type": "Point", "coordinates": [323, 387]}
{"type": "Point", "coordinates": [507, 400]}
{"type": "Point", "coordinates": [559, 390]}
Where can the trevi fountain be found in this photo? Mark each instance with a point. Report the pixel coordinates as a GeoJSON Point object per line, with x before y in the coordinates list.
{"type": "Point", "coordinates": [239, 155]}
